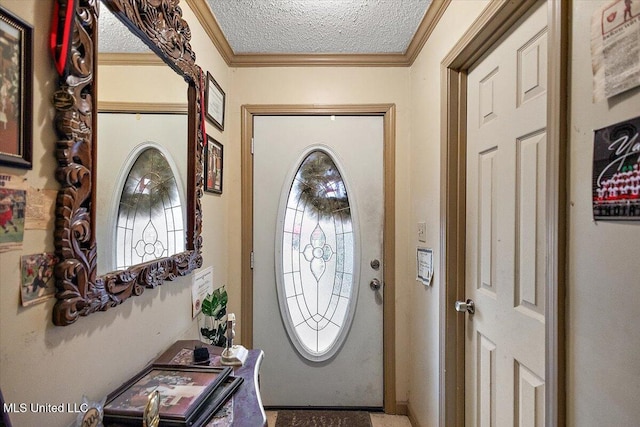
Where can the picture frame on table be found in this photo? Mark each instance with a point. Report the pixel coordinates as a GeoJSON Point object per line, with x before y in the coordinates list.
{"type": "Point", "coordinates": [213, 167]}
{"type": "Point", "coordinates": [185, 394]}
{"type": "Point", "coordinates": [214, 102]}
{"type": "Point", "coordinates": [16, 91]}
{"type": "Point", "coordinates": [216, 404]}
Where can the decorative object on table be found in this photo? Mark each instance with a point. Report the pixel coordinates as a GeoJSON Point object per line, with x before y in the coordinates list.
{"type": "Point", "coordinates": [16, 80]}
{"type": "Point", "coordinates": [616, 171]}
{"type": "Point", "coordinates": [6, 422]}
{"type": "Point", "coordinates": [220, 399]}
{"type": "Point", "coordinates": [233, 355]}
{"type": "Point", "coordinates": [186, 356]}
{"type": "Point", "coordinates": [186, 395]}
{"type": "Point", "coordinates": [310, 418]}
{"type": "Point", "coordinates": [213, 166]}
{"type": "Point", "coordinates": [90, 413]}
{"type": "Point", "coordinates": [151, 415]}
{"type": "Point", "coordinates": [214, 309]}
{"type": "Point", "coordinates": [200, 355]}
{"type": "Point", "coordinates": [215, 98]}
{"type": "Point", "coordinates": [37, 274]}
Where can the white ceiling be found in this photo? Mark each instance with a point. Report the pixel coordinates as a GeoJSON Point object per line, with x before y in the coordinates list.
{"type": "Point", "coordinates": [318, 26]}
{"type": "Point", "coordinates": [296, 26]}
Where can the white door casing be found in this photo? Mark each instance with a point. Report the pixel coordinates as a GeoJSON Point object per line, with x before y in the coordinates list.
{"type": "Point", "coordinates": [354, 376]}
{"type": "Point", "coordinates": [506, 229]}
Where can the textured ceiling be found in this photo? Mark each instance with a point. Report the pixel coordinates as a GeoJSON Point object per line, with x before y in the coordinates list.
{"type": "Point", "coordinates": [295, 26]}
{"type": "Point", "coordinates": [114, 37]}
{"type": "Point", "coordinates": [319, 26]}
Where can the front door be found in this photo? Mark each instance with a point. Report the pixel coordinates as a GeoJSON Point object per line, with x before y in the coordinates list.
{"type": "Point", "coordinates": [506, 229]}
{"type": "Point", "coordinates": [317, 261]}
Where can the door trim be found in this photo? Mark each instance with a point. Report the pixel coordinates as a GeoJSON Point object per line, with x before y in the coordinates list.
{"type": "Point", "coordinates": [388, 112]}
{"type": "Point", "coordinates": [497, 18]}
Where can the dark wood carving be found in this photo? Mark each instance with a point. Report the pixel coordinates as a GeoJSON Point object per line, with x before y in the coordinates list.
{"type": "Point", "coordinates": [160, 25]}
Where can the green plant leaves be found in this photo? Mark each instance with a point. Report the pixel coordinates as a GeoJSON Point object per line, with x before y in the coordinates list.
{"type": "Point", "coordinates": [215, 304]}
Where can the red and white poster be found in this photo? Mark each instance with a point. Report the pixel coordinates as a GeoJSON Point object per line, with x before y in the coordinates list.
{"type": "Point", "coordinates": [616, 171]}
{"type": "Point", "coordinates": [615, 48]}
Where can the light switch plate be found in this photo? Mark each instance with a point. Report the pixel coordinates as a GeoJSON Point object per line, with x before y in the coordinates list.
{"type": "Point", "coordinates": [422, 231]}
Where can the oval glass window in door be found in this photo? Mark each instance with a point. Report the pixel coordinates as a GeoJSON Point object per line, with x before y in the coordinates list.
{"type": "Point", "coordinates": [316, 258]}
{"type": "Point", "coordinates": [150, 221]}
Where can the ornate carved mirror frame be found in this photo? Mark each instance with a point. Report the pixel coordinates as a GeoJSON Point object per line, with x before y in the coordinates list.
{"type": "Point", "coordinates": [159, 23]}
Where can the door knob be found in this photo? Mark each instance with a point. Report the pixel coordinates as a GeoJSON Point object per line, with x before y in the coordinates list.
{"type": "Point", "coordinates": [375, 284]}
{"type": "Point", "coordinates": [466, 306]}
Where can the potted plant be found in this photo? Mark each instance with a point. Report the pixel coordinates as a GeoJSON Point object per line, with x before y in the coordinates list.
{"type": "Point", "coordinates": [214, 309]}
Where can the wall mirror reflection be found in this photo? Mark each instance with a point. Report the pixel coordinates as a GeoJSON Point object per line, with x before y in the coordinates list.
{"type": "Point", "coordinates": [128, 214]}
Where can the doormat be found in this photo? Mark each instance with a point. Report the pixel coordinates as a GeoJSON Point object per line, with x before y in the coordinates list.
{"type": "Point", "coordinates": [313, 418]}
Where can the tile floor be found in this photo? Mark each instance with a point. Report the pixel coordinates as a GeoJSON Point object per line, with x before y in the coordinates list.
{"type": "Point", "coordinates": [377, 420]}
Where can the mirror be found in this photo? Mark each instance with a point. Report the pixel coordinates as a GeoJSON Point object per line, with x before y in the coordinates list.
{"type": "Point", "coordinates": [159, 24]}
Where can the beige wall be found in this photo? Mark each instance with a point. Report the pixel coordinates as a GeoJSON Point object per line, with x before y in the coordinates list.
{"type": "Point", "coordinates": [328, 85]}
{"type": "Point", "coordinates": [603, 339]}
{"type": "Point", "coordinates": [604, 270]}
{"type": "Point", "coordinates": [47, 364]}
{"type": "Point", "coordinates": [42, 363]}
{"type": "Point", "coordinates": [425, 206]}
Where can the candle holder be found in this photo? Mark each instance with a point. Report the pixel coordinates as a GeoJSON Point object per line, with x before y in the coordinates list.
{"type": "Point", "coordinates": [233, 354]}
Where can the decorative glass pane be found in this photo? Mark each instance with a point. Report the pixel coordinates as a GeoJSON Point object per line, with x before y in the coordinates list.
{"type": "Point", "coordinates": [316, 283]}
{"type": "Point", "coordinates": [150, 223]}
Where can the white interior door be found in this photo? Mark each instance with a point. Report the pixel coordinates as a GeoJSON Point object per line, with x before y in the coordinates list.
{"type": "Point", "coordinates": [505, 267]}
{"type": "Point", "coordinates": [316, 316]}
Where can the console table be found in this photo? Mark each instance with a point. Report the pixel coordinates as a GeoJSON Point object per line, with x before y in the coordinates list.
{"type": "Point", "coordinates": [244, 409]}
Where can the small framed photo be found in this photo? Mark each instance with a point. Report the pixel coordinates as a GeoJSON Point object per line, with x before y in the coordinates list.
{"type": "Point", "coordinates": [184, 394]}
{"type": "Point", "coordinates": [215, 99]}
{"type": "Point", "coordinates": [37, 278]}
{"type": "Point", "coordinates": [16, 81]}
{"type": "Point", "coordinates": [213, 166]}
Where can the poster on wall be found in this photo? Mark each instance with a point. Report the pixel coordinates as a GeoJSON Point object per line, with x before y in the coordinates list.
{"type": "Point", "coordinates": [615, 48]}
{"type": "Point", "coordinates": [616, 171]}
{"type": "Point", "coordinates": [37, 278]}
{"type": "Point", "coordinates": [12, 212]}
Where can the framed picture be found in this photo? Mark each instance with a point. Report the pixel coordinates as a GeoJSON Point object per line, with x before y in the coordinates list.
{"type": "Point", "coordinates": [219, 405]}
{"type": "Point", "coordinates": [37, 278]}
{"type": "Point", "coordinates": [215, 98]}
{"type": "Point", "coordinates": [16, 80]}
{"type": "Point", "coordinates": [185, 393]}
{"type": "Point", "coordinates": [616, 172]}
{"type": "Point", "coordinates": [5, 421]}
{"type": "Point", "coordinates": [213, 166]}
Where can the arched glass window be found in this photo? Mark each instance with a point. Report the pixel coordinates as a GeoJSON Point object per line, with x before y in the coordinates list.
{"type": "Point", "coordinates": [316, 258]}
{"type": "Point", "coordinates": [150, 221]}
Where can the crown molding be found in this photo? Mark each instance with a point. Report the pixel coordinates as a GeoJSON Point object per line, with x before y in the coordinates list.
{"type": "Point", "coordinates": [406, 59]}
{"type": "Point", "coordinates": [319, 59]}
{"type": "Point", "coordinates": [141, 107]}
{"type": "Point", "coordinates": [211, 27]}
{"type": "Point", "coordinates": [426, 27]}
{"type": "Point", "coordinates": [129, 59]}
